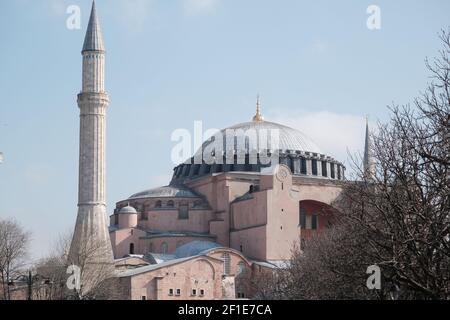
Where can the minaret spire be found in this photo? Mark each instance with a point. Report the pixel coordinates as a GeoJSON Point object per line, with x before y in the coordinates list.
{"type": "Point", "coordinates": [368, 162]}
{"type": "Point", "coordinates": [93, 40]}
{"type": "Point", "coordinates": [258, 116]}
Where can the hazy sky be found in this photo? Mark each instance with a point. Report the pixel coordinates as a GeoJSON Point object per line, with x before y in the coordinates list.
{"type": "Point", "coordinates": [170, 62]}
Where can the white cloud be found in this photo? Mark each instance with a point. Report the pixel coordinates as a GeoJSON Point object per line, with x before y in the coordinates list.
{"type": "Point", "coordinates": [335, 134]}
{"type": "Point", "coordinates": [196, 7]}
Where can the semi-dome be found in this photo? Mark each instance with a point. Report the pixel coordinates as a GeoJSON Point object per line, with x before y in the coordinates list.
{"type": "Point", "coordinates": [166, 192]}
{"type": "Point", "coordinates": [128, 210]}
{"type": "Point", "coordinates": [194, 248]}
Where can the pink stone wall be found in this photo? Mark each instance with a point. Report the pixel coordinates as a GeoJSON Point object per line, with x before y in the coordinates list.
{"type": "Point", "coordinates": [121, 240]}
{"type": "Point", "coordinates": [168, 220]}
{"type": "Point", "coordinates": [200, 273]}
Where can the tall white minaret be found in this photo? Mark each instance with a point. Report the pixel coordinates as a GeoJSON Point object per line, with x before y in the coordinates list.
{"type": "Point", "coordinates": [91, 237]}
{"type": "Point", "coordinates": [368, 162]}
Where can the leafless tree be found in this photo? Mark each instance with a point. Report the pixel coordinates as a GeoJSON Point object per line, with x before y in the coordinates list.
{"type": "Point", "coordinates": [50, 272]}
{"type": "Point", "coordinates": [97, 271]}
{"type": "Point", "coordinates": [14, 242]}
{"type": "Point", "coordinates": [397, 218]}
{"type": "Point", "coordinates": [97, 277]}
{"type": "Point", "coordinates": [404, 208]}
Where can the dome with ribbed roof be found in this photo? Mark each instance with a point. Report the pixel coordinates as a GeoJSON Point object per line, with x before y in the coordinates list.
{"type": "Point", "coordinates": [249, 136]}
{"type": "Point", "coordinates": [252, 146]}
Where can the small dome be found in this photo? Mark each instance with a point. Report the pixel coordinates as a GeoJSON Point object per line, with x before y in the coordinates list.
{"type": "Point", "coordinates": [128, 210]}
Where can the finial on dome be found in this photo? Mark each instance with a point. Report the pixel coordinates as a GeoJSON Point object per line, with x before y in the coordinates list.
{"type": "Point", "coordinates": [258, 116]}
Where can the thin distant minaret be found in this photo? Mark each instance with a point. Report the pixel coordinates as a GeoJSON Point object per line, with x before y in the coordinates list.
{"type": "Point", "coordinates": [368, 162]}
{"type": "Point", "coordinates": [91, 237]}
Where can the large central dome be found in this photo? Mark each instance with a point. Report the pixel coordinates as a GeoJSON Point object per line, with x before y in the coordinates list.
{"type": "Point", "coordinates": [244, 147]}
{"type": "Point", "coordinates": [252, 134]}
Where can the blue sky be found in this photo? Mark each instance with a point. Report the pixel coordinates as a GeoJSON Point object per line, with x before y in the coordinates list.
{"type": "Point", "coordinates": [316, 65]}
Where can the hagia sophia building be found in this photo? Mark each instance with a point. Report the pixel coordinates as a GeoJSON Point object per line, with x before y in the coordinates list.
{"type": "Point", "coordinates": [216, 227]}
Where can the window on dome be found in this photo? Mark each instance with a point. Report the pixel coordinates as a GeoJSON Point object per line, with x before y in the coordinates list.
{"type": "Point", "coordinates": [332, 170]}
{"type": "Point", "coordinates": [302, 165]}
{"type": "Point", "coordinates": [324, 169]}
{"type": "Point", "coordinates": [314, 167]}
{"type": "Point", "coordinates": [187, 168]}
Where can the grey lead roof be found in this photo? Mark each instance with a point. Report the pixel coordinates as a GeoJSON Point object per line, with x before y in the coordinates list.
{"type": "Point", "coordinates": [289, 139]}
{"type": "Point", "coordinates": [166, 192]}
{"type": "Point", "coordinates": [194, 248]}
{"type": "Point", "coordinates": [93, 40]}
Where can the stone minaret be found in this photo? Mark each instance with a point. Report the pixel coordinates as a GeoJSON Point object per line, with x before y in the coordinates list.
{"type": "Point", "coordinates": [368, 162]}
{"type": "Point", "coordinates": [91, 240]}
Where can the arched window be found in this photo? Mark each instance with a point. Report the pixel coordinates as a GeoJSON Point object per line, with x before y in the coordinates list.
{"type": "Point", "coordinates": [164, 248]}
{"type": "Point", "coordinates": [158, 204]}
{"type": "Point", "coordinates": [314, 167]}
{"type": "Point", "coordinates": [241, 267]}
{"type": "Point", "coordinates": [131, 248]}
{"type": "Point", "coordinates": [170, 204]}
{"type": "Point", "coordinates": [197, 203]}
{"type": "Point", "coordinates": [183, 211]}
{"type": "Point", "coordinates": [226, 264]}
